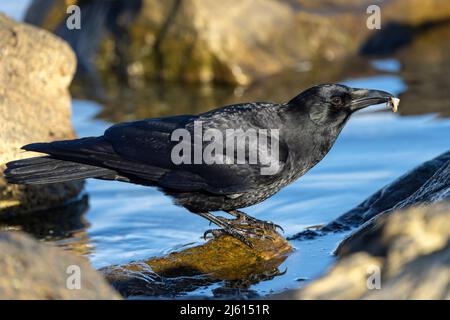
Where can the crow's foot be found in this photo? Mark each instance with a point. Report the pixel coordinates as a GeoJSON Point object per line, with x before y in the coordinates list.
{"type": "Point", "coordinates": [236, 228]}
{"type": "Point", "coordinates": [244, 218]}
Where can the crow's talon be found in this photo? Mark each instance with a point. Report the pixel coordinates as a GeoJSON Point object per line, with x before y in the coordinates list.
{"type": "Point", "coordinates": [266, 225]}
{"type": "Point", "coordinates": [245, 219]}
{"type": "Point", "coordinates": [214, 233]}
{"type": "Point", "coordinates": [221, 232]}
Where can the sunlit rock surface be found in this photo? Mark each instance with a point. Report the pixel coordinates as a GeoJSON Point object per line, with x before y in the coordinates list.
{"type": "Point", "coordinates": [223, 259]}
{"type": "Point", "coordinates": [32, 270]}
{"type": "Point", "coordinates": [36, 69]}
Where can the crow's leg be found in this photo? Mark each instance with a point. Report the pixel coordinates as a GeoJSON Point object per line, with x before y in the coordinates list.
{"type": "Point", "coordinates": [245, 218]}
{"type": "Point", "coordinates": [232, 229]}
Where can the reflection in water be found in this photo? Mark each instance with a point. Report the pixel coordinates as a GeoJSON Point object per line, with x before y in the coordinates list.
{"type": "Point", "coordinates": [426, 71]}
{"type": "Point", "coordinates": [424, 67]}
{"type": "Point", "coordinates": [162, 99]}
{"type": "Point", "coordinates": [65, 226]}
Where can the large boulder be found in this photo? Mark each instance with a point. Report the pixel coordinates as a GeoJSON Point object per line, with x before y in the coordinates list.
{"type": "Point", "coordinates": [228, 41]}
{"type": "Point", "coordinates": [33, 270]}
{"type": "Point", "coordinates": [36, 69]}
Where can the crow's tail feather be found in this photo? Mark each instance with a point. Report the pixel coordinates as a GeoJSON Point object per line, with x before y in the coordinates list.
{"type": "Point", "coordinates": [42, 170]}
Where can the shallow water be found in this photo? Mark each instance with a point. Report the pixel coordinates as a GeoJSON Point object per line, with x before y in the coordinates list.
{"type": "Point", "coordinates": [128, 222]}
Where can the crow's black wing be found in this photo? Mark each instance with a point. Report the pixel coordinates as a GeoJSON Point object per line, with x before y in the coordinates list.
{"type": "Point", "coordinates": [141, 151]}
{"type": "Point", "coordinates": [149, 142]}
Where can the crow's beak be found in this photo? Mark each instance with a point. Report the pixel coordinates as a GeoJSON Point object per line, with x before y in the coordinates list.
{"type": "Point", "coordinates": [362, 98]}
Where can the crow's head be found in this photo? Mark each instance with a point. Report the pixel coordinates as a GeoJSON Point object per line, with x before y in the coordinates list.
{"type": "Point", "coordinates": [334, 103]}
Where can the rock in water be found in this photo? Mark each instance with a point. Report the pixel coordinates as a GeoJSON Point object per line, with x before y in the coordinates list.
{"type": "Point", "coordinates": [402, 248]}
{"type": "Point", "coordinates": [32, 270]}
{"type": "Point", "coordinates": [221, 259]}
{"type": "Point", "coordinates": [36, 69]}
{"type": "Point", "coordinates": [405, 256]}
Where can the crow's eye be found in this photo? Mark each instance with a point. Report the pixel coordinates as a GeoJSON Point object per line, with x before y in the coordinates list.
{"type": "Point", "coordinates": [337, 101]}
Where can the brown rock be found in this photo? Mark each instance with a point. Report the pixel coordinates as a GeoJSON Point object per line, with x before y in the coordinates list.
{"type": "Point", "coordinates": [36, 69]}
{"type": "Point", "coordinates": [32, 270]}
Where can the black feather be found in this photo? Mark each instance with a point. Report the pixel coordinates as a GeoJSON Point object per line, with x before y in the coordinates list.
{"type": "Point", "coordinates": [42, 170]}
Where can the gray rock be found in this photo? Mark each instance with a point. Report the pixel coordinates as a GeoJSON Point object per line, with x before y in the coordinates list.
{"type": "Point", "coordinates": [36, 69]}
{"type": "Point", "coordinates": [33, 270]}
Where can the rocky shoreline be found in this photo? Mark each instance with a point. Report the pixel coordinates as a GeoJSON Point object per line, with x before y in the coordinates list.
{"type": "Point", "coordinates": [402, 231]}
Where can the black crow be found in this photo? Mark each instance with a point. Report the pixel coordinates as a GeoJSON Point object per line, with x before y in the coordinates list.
{"type": "Point", "coordinates": [152, 152]}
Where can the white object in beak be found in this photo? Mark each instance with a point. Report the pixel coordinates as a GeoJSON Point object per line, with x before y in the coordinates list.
{"type": "Point", "coordinates": [394, 102]}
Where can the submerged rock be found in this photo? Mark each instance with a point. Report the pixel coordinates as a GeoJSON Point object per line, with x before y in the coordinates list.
{"type": "Point", "coordinates": [33, 270]}
{"type": "Point", "coordinates": [35, 72]}
{"type": "Point", "coordinates": [221, 259]}
{"type": "Point", "coordinates": [406, 255]}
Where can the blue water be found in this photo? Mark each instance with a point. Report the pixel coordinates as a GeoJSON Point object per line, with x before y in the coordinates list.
{"type": "Point", "coordinates": [15, 9]}
{"type": "Point", "coordinates": [129, 222]}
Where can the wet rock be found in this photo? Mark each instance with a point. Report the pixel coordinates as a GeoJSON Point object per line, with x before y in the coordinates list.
{"type": "Point", "coordinates": [33, 270]}
{"type": "Point", "coordinates": [427, 183]}
{"type": "Point", "coordinates": [36, 69]}
{"type": "Point", "coordinates": [435, 189]}
{"type": "Point", "coordinates": [188, 40]}
{"type": "Point", "coordinates": [223, 259]}
{"type": "Point", "coordinates": [409, 250]}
